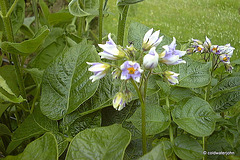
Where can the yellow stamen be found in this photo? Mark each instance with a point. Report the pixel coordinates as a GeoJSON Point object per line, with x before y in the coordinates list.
{"type": "Point", "coordinates": [214, 49]}
{"type": "Point", "coordinates": [225, 59]}
{"type": "Point", "coordinates": [131, 70]}
{"type": "Point", "coordinates": [199, 48]}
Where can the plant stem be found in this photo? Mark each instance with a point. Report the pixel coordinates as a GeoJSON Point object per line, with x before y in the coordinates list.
{"type": "Point", "coordinates": [203, 139]}
{"type": "Point", "coordinates": [11, 8]}
{"type": "Point", "coordinates": [100, 21]}
{"type": "Point", "coordinates": [35, 11]}
{"type": "Point", "coordinates": [121, 25]}
{"type": "Point", "coordinates": [170, 129]}
{"type": "Point", "coordinates": [143, 108]}
{"type": "Point", "coordinates": [9, 33]}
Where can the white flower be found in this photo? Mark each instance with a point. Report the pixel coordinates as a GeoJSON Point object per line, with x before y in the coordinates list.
{"type": "Point", "coordinates": [151, 40]}
{"type": "Point", "coordinates": [150, 60]}
{"type": "Point", "coordinates": [227, 49]}
{"type": "Point", "coordinates": [111, 50]}
{"type": "Point", "coordinates": [172, 77]}
{"type": "Point", "coordinates": [99, 70]}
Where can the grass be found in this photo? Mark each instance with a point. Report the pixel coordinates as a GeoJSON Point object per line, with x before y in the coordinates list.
{"type": "Point", "coordinates": [185, 19]}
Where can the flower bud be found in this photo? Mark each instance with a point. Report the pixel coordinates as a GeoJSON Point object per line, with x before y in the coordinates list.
{"type": "Point", "coordinates": [119, 101]}
{"type": "Point", "coordinates": [150, 60]}
{"type": "Point", "coordinates": [171, 76]}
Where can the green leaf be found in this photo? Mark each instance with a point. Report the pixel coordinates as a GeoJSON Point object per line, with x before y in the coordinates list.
{"type": "Point", "coordinates": [3, 107]}
{"type": "Point", "coordinates": [59, 17]}
{"type": "Point", "coordinates": [157, 153]}
{"type": "Point", "coordinates": [225, 101]}
{"type": "Point", "coordinates": [66, 83]}
{"type": "Point", "coordinates": [136, 33]}
{"type": "Point", "coordinates": [226, 85]}
{"type": "Point", "coordinates": [217, 142]}
{"type": "Point", "coordinates": [99, 143]}
{"type": "Point", "coordinates": [35, 124]}
{"type": "Point", "coordinates": [42, 148]}
{"type": "Point", "coordinates": [194, 74]}
{"type": "Point", "coordinates": [127, 2]}
{"type": "Point", "coordinates": [168, 149]}
{"type": "Point", "coordinates": [8, 74]}
{"type": "Point", "coordinates": [36, 75]}
{"type": "Point", "coordinates": [157, 119]}
{"type": "Point", "coordinates": [90, 7]}
{"type": "Point", "coordinates": [178, 93]}
{"type": "Point", "coordinates": [92, 120]}
{"type": "Point", "coordinates": [52, 47]}
{"type": "Point", "coordinates": [28, 46]}
{"type": "Point", "coordinates": [195, 116]}
{"type": "Point", "coordinates": [17, 17]}
{"type": "Point", "coordinates": [187, 148]}
{"type": "Point", "coordinates": [4, 130]}
{"type": "Point", "coordinates": [6, 93]}
{"type": "Point", "coordinates": [61, 142]}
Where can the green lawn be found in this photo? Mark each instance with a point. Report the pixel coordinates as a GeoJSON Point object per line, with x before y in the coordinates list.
{"type": "Point", "coordinates": [185, 19]}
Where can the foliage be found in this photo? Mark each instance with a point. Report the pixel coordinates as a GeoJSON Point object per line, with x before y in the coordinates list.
{"type": "Point", "coordinates": [52, 107]}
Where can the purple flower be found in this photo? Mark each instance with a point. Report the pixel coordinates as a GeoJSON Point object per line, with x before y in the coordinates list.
{"type": "Point", "coordinates": [215, 49]}
{"type": "Point", "coordinates": [225, 58]}
{"type": "Point", "coordinates": [99, 70]}
{"type": "Point", "coordinates": [199, 48]}
{"type": "Point", "coordinates": [132, 70]}
{"type": "Point", "coordinates": [111, 50]}
{"type": "Point", "coordinates": [171, 56]}
{"type": "Point", "coordinates": [172, 77]}
{"type": "Point", "coordinates": [151, 40]}
{"type": "Point", "coordinates": [150, 60]}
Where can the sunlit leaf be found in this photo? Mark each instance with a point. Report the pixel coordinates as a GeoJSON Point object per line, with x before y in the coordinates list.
{"type": "Point", "coordinates": [84, 8]}
{"type": "Point", "coordinates": [66, 83]}
{"type": "Point", "coordinates": [99, 143]}
{"type": "Point", "coordinates": [195, 116]}
{"type": "Point", "coordinates": [28, 46]}
{"type": "Point", "coordinates": [194, 74]}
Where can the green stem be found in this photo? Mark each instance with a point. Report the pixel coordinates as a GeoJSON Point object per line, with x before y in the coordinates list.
{"type": "Point", "coordinates": [35, 11]}
{"type": "Point", "coordinates": [143, 108]}
{"type": "Point", "coordinates": [121, 25]}
{"type": "Point", "coordinates": [203, 139]}
{"type": "Point", "coordinates": [100, 21]}
{"type": "Point", "coordinates": [9, 33]}
{"type": "Point", "coordinates": [11, 8]}
{"type": "Point", "coordinates": [170, 129]}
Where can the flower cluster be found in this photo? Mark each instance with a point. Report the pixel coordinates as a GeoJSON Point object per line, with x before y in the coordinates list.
{"type": "Point", "coordinates": [223, 53]}
{"type": "Point", "coordinates": [135, 63]}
